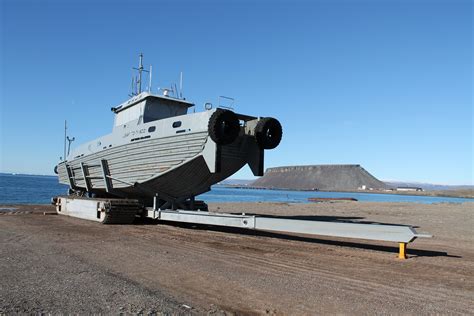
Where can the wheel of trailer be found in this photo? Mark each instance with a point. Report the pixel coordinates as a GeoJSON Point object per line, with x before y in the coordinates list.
{"type": "Point", "coordinates": [268, 133]}
{"type": "Point", "coordinates": [197, 206]}
{"type": "Point", "coordinates": [116, 213]}
{"type": "Point", "coordinates": [91, 195]}
{"type": "Point", "coordinates": [122, 218]}
{"type": "Point", "coordinates": [224, 127]}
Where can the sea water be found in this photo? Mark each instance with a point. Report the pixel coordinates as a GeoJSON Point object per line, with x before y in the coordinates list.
{"type": "Point", "coordinates": [32, 189]}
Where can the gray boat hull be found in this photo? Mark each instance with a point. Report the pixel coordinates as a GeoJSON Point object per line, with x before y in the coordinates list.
{"type": "Point", "coordinates": [177, 167]}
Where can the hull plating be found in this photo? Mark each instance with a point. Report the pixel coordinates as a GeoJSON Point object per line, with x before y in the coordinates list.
{"type": "Point", "coordinates": [175, 166]}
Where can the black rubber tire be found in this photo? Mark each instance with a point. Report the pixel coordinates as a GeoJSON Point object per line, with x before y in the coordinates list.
{"type": "Point", "coordinates": [268, 133]}
{"type": "Point", "coordinates": [122, 217]}
{"type": "Point", "coordinates": [224, 127]}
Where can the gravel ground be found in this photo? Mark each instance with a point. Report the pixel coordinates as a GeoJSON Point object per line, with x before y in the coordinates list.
{"type": "Point", "coordinates": [58, 264]}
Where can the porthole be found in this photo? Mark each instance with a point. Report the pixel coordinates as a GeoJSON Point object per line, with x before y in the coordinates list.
{"type": "Point", "coordinates": [176, 124]}
{"type": "Point", "coordinates": [151, 129]}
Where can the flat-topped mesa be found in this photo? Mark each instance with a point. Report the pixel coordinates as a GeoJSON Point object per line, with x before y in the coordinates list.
{"type": "Point", "coordinates": [319, 177]}
{"type": "Point", "coordinates": [307, 167]}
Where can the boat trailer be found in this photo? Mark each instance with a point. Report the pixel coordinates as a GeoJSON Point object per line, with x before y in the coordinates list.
{"type": "Point", "coordinates": [124, 211]}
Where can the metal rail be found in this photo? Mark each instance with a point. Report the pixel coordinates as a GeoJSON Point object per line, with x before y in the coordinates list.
{"type": "Point", "coordinates": [392, 233]}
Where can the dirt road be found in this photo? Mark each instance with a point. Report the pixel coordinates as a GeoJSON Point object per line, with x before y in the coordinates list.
{"type": "Point", "coordinates": [51, 263]}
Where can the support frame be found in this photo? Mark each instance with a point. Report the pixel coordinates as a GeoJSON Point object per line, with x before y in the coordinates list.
{"type": "Point", "coordinates": [390, 233]}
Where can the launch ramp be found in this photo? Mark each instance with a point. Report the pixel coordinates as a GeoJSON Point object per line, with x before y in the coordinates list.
{"type": "Point", "coordinates": [391, 233]}
{"type": "Point", "coordinates": [124, 211]}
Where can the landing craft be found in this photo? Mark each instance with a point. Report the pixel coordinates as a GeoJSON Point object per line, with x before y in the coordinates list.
{"type": "Point", "coordinates": [159, 153]}
{"type": "Point", "coordinates": [159, 157]}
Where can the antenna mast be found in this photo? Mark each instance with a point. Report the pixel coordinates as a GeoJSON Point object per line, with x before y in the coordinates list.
{"type": "Point", "coordinates": [65, 131]}
{"type": "Point", "coordinates": [140, 70]}
{"type": "Point", "coordinates": [149, 80]}
{"type": "Point", "coordinates": [181, 85]}
{"type": "Point", "coordinates": [139, 80]}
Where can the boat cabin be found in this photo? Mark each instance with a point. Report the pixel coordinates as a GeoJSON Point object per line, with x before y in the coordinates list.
{"type": "Point", "coordinates": [147, 107]}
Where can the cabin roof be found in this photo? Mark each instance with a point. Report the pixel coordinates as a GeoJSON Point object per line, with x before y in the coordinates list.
{"type": "Point", "coordinates": [144, 95]}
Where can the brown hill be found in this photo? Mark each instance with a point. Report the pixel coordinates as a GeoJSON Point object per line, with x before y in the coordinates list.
{"type": "Point", "coordinates": [319, 177]}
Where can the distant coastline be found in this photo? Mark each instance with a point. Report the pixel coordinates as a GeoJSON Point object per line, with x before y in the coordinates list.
{"type": "Point", "coordinates": [466, 192]}
{"type": "Point", "coordinates": [350, 178]}
{"type": "Point", "coordinates": [458, 193]}
{"type": "Point", "coordinates": [35, 189]}
{"type": "Point", "coordinates": [26, 174]}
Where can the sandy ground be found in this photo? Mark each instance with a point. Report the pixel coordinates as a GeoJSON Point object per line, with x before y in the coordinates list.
{"type": "Point", "coordinates": [52, 263]}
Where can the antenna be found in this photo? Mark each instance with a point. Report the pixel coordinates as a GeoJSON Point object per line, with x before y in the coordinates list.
{"type": "Point", "coordinates": [65, 131]}
{"type": "Point", "coordinates": [149, 80]}
{"type": "Point", "coordinates": [132, 87]}
{"type": "Point", "coordinates": [140, 69]}
{"type": "Point", "coordinates": [181, 85]}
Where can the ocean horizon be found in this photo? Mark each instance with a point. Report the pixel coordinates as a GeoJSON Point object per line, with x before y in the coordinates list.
{"type": "Point", "coordinates": [40, 189]}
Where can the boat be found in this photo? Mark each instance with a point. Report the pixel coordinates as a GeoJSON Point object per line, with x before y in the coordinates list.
{"type": "Point", "coordinates": [160, 156]}
{"type": "Point", "coordinates": [161, 153]}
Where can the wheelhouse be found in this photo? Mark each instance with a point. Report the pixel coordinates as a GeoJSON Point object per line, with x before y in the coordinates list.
{"type": "Point", "coordinates": [146, 107]}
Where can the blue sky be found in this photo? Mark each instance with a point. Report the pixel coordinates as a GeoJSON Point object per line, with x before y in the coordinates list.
{"type": "Point", "coordinates": [384, 84]}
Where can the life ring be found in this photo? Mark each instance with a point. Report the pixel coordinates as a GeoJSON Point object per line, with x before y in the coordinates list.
{"type": "Point", "coordinates": [224, 127]}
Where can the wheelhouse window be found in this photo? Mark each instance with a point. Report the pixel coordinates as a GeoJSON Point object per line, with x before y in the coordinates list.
{"type": "Point", "coordinates": [130, 114]}
{"type": "Point", "coordinates": [149, 109]}
{"type": "Point", "coordinates": [161, 108]}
